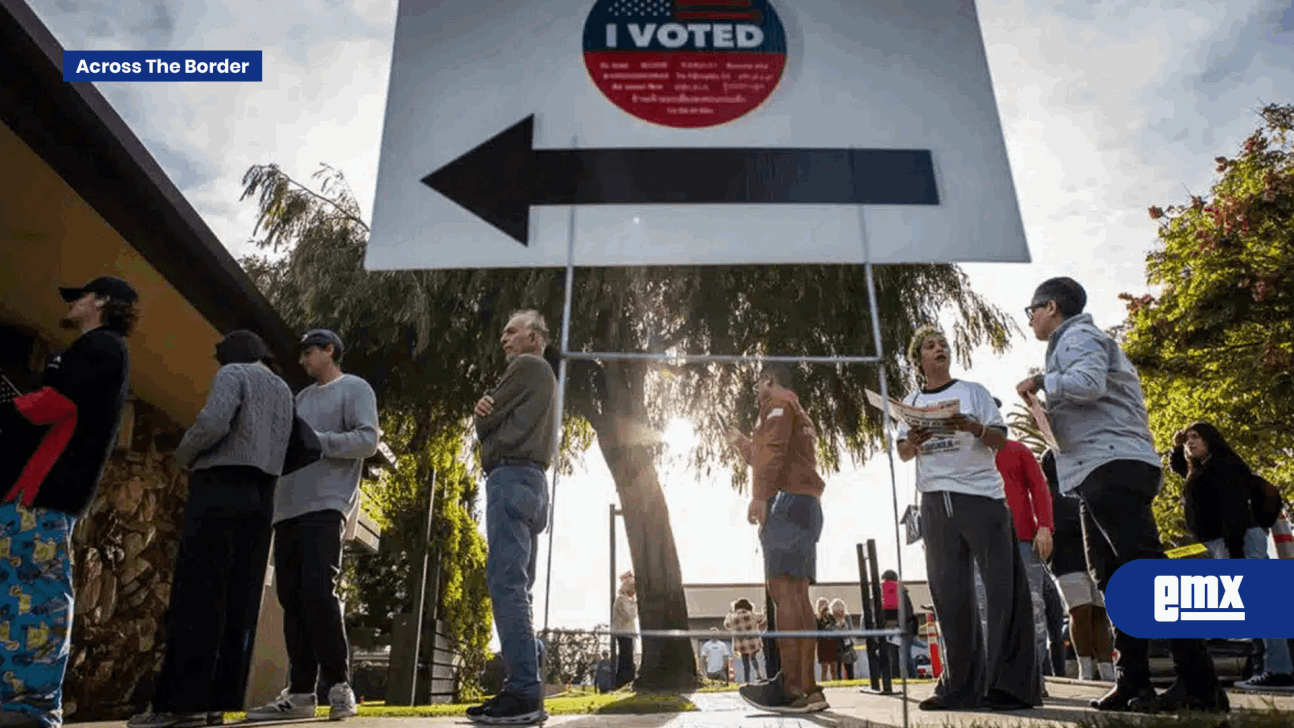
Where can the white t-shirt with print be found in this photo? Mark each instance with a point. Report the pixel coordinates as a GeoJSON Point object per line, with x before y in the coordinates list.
{"type": "Point", "coordinates": [959, 462]}
{"type": "Point", "coordinates": [715, 654]}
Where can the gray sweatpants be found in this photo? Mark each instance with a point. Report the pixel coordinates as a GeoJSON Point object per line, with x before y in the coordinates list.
{"type": "Point", "coordinates": [963, 532]}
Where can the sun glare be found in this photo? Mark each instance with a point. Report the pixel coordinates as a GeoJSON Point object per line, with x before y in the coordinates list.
{"type": "Point", "coordinates": [679, 436]}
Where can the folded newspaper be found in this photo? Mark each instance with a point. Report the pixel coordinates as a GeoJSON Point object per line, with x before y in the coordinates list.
{"type": "Point", "coordinates": [933, 417]}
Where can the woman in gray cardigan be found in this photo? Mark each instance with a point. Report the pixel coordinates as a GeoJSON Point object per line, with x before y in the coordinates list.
{"type": "Point", "coordinates": [235, 451]}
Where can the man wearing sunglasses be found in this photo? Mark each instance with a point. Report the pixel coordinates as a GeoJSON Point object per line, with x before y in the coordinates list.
{"type": "Point", "coordinates": [1107, 459]}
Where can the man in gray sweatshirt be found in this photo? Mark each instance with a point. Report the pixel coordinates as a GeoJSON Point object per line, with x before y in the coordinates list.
{"type": "Point", "coordinates": [1107, 459]}
{"type": "Point", "coordinates": [310, 508]}
{"type": "Point", "coordinates": [518, 436]}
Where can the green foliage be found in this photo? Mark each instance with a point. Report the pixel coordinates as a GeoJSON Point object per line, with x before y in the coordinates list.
{"type": "Point", "coordinates": [1217, 344]}
{"type": "Point", "coordinates": [384, 584]}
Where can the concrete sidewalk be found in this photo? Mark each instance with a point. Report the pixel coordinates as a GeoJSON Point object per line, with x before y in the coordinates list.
{"type": "Point", "coordinates": [850, 708]}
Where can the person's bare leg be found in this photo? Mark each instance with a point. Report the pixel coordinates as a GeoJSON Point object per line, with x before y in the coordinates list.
{"type": "Point", "coordinates": [787, 620]}
{"type": "Point", "coordinates": [1080, 630]}
{"type": "Point", "coordinates": [1100, 631]}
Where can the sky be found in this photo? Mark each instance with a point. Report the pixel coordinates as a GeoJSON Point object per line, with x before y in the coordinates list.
{"type": "Point", "coordinates": [1107, 108]}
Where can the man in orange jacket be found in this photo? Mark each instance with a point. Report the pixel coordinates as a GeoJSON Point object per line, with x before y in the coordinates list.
{"type": "Point", "coordinates": [783, 452]}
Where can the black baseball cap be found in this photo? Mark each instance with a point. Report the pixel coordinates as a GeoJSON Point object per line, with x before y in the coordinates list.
{"type": "Point", "coordinates": [321, 338]}
{"type": "Point", "coordinates": [109, 286]}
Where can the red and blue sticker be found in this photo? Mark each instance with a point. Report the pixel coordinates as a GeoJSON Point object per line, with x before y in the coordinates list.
{"type": "Point", "coordinates": [687, 64]}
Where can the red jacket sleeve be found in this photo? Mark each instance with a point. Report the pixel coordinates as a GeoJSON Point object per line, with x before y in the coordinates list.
{"type": "Point", "coordinates": [1039, 493]}
{"type": "Point", "coordinates": [44, 407]}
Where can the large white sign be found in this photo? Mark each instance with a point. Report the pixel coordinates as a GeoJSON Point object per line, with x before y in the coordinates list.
{"type": "Point", "coordinates": [691, 132]}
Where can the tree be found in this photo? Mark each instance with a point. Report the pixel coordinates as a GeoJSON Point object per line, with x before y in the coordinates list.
{"type": "Point", "coordinates": [380, 586]}
{"type": "Point", "coordinates": [433, 334]}
{"type": "Point", "coordinates": [1217, 343]}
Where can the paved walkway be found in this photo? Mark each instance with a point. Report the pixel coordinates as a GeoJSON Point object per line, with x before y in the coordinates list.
{"type": "Point", "coordinates": [850, 708]}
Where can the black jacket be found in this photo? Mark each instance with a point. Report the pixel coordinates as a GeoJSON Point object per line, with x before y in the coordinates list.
{"type": "Point", "coordinates": [1216, 499]}
{"type": "Point", "coordinates": [93, 375]}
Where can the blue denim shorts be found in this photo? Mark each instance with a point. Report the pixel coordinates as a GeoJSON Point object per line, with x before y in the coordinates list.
{"type": "Point", "coordinates": [790, 537]}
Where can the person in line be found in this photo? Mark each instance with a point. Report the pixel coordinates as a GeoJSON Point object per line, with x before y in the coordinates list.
{"type": "Point", "coordinates": [310, 509]}
{"type": "Point", "coordinates": [1215, 498]}
{"type": "Point", "coordinates": [625, 611]}
{"type": "Point", "coordinates": [1057, 615]}
{"type": "Point", "coordinates": [742, 618]}
{"type": "Point", "coordinates": [896, 611]}
{"type": "Point", "coordinates": [604, 675]}
{"type": "Point", "coordinates": [234, 452]}
{"type": "Point", "coordinates": [783, 451]}
{"type": "Point", "coordinates": [828, 647]}
{"type": "Point", "coordinates": [517, 429]}
{"type": "Point", "coordinates": [1107, 457]}
{"type": "Point", "coordinates": [1089, 626]}
{"type": "Point", "coordinates": [845, 655]}
{"type": "Point", "coordinates": [714, 657]}
{"type": "Point", "coordinates": [967, 525]}
{"type": "Point", "coordinates": [1031, 512]}
{"type": "Point", "coordinates": [55, 479]}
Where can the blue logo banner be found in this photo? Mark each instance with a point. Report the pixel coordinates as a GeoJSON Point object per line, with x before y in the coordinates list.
{"type": "Point", "coordinates": [161, 65]}
{"type": "Point", "coordinates": [1202, 598]}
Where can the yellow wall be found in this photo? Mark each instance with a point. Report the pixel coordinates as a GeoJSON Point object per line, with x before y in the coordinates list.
{"type": "Point", "coordinates": [49, 237]}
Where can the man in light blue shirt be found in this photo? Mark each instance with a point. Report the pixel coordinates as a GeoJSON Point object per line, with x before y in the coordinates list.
{"type": "Point", "coordinates": [1107, 458]}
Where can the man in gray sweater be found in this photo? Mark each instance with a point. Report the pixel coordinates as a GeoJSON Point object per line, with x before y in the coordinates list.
{"type": "Point", "coordinates": [310, 508]}
{"type": "Point", "coordinates": [518, 436]}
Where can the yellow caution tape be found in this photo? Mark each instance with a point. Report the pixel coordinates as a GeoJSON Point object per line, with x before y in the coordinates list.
{"type": "Point", "coordinates": [1183, 552]}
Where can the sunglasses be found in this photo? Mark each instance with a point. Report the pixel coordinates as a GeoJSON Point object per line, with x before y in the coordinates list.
{"type": "Point", "coordinates": [1028, 310]}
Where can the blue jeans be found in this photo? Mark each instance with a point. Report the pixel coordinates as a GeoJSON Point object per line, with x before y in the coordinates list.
{"type": "Point", "coordinates": [1277, 658]}
{"type": "Point", "coordinates": [516, 512]}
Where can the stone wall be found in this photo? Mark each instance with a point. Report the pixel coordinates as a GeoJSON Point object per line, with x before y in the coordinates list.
{"type": "Point", "coordinates": [124, 553]}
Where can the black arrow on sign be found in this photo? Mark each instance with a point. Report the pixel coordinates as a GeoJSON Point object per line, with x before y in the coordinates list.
{"type": "Point", "coordinates": [499, 180]}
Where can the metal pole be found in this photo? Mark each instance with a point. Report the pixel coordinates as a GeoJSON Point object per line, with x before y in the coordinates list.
{"type": "Point", "coordinates": [422, 594]}
{"type": "Point", "coordinates": [878, 608]}
{"type": "Point", "coordinates": [885, 417]}
{"type": "Point", "coordinates": [561, 401]}
{"type": "Point", "coordinates": [869, 621]}
{"type": "Point", "coordinates": [611, 619]}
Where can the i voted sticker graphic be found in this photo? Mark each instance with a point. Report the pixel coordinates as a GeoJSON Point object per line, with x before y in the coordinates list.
{"type": "Point", "coordinates": [686, 64]}
{"type": "Point", "coordinates": [1237, 598]}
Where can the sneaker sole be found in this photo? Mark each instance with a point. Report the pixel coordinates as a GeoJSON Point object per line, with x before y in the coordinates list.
{"type": "Point", "coordinates": [278, 718]}
{"type": "Point", "coordinates": [527, 719]}
{"type": "Point", "coordinates": [768, 708]}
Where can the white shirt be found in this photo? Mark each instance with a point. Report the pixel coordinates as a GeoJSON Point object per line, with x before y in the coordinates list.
{"type": "Point", "coordinates": [959, 462]}
{"type": "Point", "coordinates": [715, 654]}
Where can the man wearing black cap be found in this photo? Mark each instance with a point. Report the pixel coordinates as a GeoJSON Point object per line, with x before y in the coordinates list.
{"type": "Point", "coordinates": [783, 454]}
{"type": "Point", "coordinates": [1107, 458]}
{"type": "Point", "coordinates": [79, 408]}
{"type": "Point", "coordinates": [310, 509]}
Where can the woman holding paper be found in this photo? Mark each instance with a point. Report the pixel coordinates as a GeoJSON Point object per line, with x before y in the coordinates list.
{"type": "Point", "coordinates": [966, 524]}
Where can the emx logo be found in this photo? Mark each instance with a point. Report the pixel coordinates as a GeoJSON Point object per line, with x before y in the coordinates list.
{"type": "Point", "coordinates": [1196, 598]}
{"type": "Point", "coordinates": [1236, 598]}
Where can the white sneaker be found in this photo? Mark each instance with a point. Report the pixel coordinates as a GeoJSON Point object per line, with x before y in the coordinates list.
{"type": "Point", "coordinates": [288, 706]}
{"type": "Point", "coordinates": [341, 702]}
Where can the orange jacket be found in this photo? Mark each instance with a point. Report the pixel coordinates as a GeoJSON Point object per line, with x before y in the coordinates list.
{"type": "Point", "coordinates": [784, 449]}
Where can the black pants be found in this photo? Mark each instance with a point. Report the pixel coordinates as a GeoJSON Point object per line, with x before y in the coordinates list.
{"type": "Point", "coordinates": [1118, 527]}
{"type": "Point", "coordinates": [216, 593]}
{"type": "Point", "coordinates": [963, 532]}
{"type": "Point", "coordinates": [624, 661]}
{"type": "Point", "coordinates": [307, 561]}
